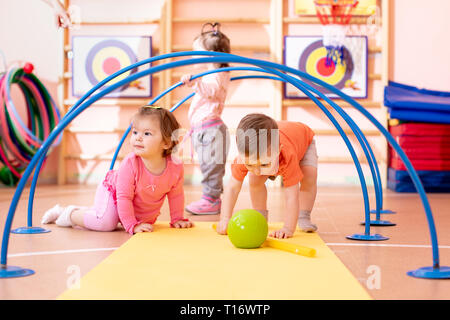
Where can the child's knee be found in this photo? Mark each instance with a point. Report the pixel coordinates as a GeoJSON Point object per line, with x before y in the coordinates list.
{"type": "Point", "coordinates": [108, 226]}
{"type": "Point", "coordinates": [110, 221]}
{"type": "Point", "coordinates": [309, 183]}
{"type": "Point", "coordinates": [105, 222]}
{"type": "Point", "coordinates": [309, 175]}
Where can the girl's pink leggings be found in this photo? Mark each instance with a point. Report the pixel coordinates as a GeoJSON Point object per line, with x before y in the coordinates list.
{"type": "Point", "coordinates": [103, 216]}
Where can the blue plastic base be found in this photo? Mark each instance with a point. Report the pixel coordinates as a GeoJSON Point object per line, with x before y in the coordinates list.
{"type": "Point", "coordinates": [14, 272]}
{"type": "Point", "coordinates": [430, 273]}
{"type": "Point", "coordinates": [29, 230]}
{"type": "Point", "coordinates": [380, 223]}
{"type": "Point", "coordinates": [365, 237]}
{"type": "Point", "coordinates": [387, 211]}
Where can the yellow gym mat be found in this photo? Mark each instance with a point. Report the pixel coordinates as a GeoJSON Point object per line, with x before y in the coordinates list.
{"type": "Point", "coordinates": [198, 263]}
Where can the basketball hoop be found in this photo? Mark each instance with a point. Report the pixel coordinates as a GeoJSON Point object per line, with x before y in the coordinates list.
{"type": "Point", "coordinates": [335, 16]}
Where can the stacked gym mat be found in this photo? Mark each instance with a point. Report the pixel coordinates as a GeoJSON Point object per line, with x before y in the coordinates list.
{"type": "Point", "coordinates": [420, 123]}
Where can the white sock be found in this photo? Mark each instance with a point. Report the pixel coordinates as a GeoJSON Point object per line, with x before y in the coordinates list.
{"type": "Point", "coordinates": [64, 218]}
{"type": "Point", "coordinates": [52, 214]}
{"type": "Point", "coordinates": [304, 221]}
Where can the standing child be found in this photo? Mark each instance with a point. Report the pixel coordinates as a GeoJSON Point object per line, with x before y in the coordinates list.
{"type": "Point", "coordinates": [268, 148]}
{"type": "Point", "coordinates": [134, 194]}
{"type": "Point", "coordinates": [208, 132]}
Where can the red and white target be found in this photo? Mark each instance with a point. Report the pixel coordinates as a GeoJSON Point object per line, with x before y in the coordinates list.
{"type": "Point", "coordinates": [308, 54]}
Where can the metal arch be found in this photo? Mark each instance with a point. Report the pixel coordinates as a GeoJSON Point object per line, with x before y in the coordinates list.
{"type": "Point", "coordinates": [219, 57]}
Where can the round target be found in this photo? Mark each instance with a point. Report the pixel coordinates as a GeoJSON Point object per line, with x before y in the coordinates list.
{"type": "Point", "coordinates": [314, 61]}
{"type": "Point", "coordinates": [108, 57]}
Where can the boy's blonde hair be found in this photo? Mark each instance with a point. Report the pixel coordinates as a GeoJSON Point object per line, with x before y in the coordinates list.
{"type": "Point", "coordinates": [167, 121]}
{"type": "Point", "coordinates": [255, 133]}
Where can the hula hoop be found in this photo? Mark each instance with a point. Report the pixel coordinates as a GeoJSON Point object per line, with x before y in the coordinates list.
{"type": "Point", "coordinates": [19, 141]}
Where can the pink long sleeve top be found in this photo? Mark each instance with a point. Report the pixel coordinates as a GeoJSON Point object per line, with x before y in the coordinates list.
{"type": "Point", "coordinates": [140, 194]}
{"type": "Point", "coordinates": [209, 100]}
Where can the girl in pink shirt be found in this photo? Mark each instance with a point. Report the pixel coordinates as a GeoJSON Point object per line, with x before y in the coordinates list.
{"type": "Point", "coordinates": [209, 134]}
{"type": "Point", "coordinates": [134, 194]}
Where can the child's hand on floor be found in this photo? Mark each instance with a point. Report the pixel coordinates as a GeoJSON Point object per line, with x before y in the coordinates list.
{"type": "Point", "coordinates": [283, 233]}
{"type": "Point", "coordinates": [143, 227]}
{"type": "Point", "coordinates": [183, 224]}
{"type": "Point", "coordinates": [222, 226]}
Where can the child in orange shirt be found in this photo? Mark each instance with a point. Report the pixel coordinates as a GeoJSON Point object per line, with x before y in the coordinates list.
{"type": "Point", "coordinates": [266, 149]}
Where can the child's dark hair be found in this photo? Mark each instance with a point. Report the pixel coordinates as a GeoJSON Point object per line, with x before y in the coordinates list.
{"type": "Point", "coordinates": [167, 121]}
{"type": "Point", "coordinates": [250, 131]}
{"type": "Point", "coordinates": [213, 39]}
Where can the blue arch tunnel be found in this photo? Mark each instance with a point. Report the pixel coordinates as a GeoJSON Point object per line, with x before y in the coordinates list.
{"type": "Point", "coordinates": [279, 73]}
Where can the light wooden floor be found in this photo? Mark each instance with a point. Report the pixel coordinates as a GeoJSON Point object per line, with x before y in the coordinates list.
{"type": "Point", "coordinates": [57, 257]}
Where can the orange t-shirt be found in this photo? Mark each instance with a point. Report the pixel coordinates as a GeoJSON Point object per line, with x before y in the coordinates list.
{"type": "Point", "coordinates": [295, 138]}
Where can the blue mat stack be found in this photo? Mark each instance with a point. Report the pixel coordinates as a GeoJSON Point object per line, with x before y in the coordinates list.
{"type": "Point", "coordinates": [420, 123]}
